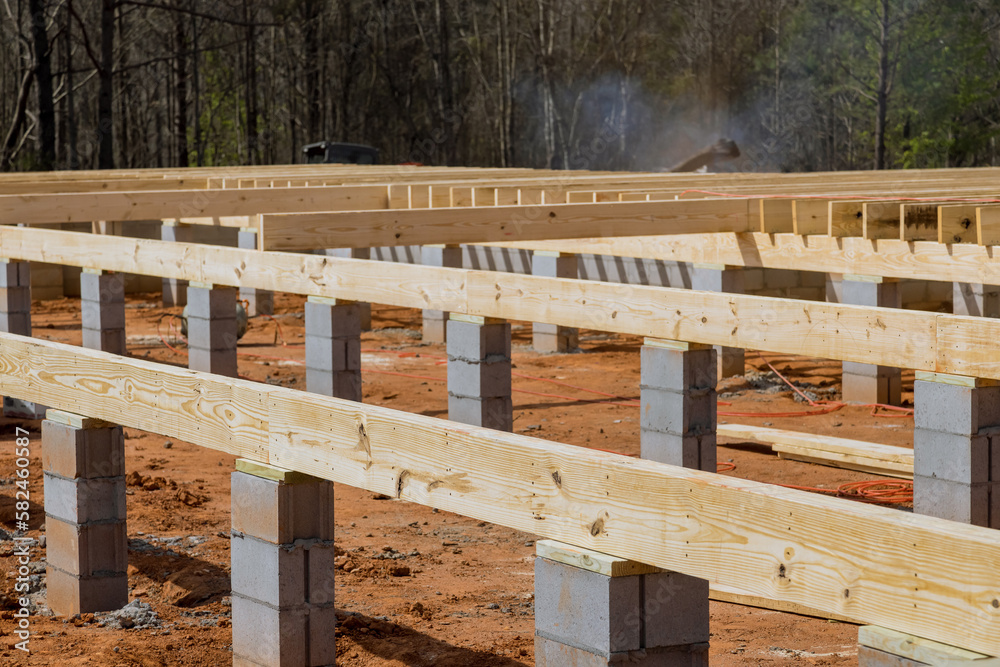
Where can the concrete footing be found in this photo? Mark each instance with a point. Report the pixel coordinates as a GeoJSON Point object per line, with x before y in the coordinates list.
{"type": "Point", "coordinates": [976, 299]}
{"type": "Point", "coordinates": [102, 304]}
{"type": "Point", "coordinates": [868, 383]}
{"type": "Point", "coordinates": [956, 448]}
{"type": "Point", "coordinates": [435, 328]}
{"type": "Point", "coordinates": [258, 301]}
{"type": "Point", "coordinates": [364, 308]}
{"type": "Point", "coordinates": [212, 328]}
{"type": "Point", "coordinates": [86, 541]}
{"type": "Point", "coordinates": [881, 647]}
{"type": "Point", "coordinates": [175, 291]}
{"type": "Point", "coordinates": [552, 337]}
{"type": "Point", "coordinates": [282, 568]}
{"type": "Point", "coordinates": [15, 318]}
{"type": "Point", "coordinates": [678, 404]}
{"type": "Point", "coordinates": [479, 372]}
{"type": "Point", "coordinates": [726, 279]}
{"type": "Point", "coordinates": [333, 347]}
{"type": "Point", "coordinates": [595, 610]}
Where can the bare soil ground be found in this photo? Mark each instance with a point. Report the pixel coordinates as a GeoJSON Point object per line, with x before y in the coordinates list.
{"type": "Point", "coordinates": [415, 586]}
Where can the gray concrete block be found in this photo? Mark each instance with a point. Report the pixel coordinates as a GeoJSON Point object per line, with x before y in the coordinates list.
{"type": "Point", "coordinates": [219, 362]}
{"type": "Point", "coordinates": [495, 413]}
{"type": "Point", "coordinates": [174, 292]}
{"type": "Point", "coordinates": [479, 379]}
{"type": "Point", "coordinates": [94, 549]}
{"type": "Point", "coordinates": [477, 342]}
{"type": "Point", "coordinates": [322, 625]}
{"type": "Point", "coordinates": [551, 653]}
{"type": "Point", "coordinates": [102, 287]}
{"type": "Point", "coordinates": [435, 326]}
{"type": "Point", "coordinates": [692, 412]}
{"type": "Point", "coordinates": [102, 314]}
{"type": "Point", "coordinates": [861, 370]}
{"type": "Point", "coordinates": [333, 354]}
{"type": "Point", "coordinates": [212, 334]}
{"type": "Point", "coordinates": [67, 594]}
{"type": "Point", "coordinates": [884, 387]}
{"type": "Point", "coordinates": [563, 266]}
{"type": "Point", "coordinates": [676, 610]}
{"type": "Point", "coordinates": [247, 240]}
{"type": "Point", "coordinates": [587, 610]}
{"type": "Point", "coordinates": [976, 300]}
{"type": "Point", "coordinates": [15, 299]}
{"type": "Point", "coordinates": [550, 338]}
{"type": "Point", "coordinates": [939, 406]}
{"type": "Point", "coordinates": [957, 458]}
{"type": "Point", "coordinates": [177, 233]}
{"type": "Point", "coordinates": [84, 500]}
{"type": "Point", "coordinates": [269, 637]}
{"type": "Point", "coordinates": [873, 294]}
{"type": "Point", "coordinates": [106, 340]}
{"type": "Point", "coordinates": [89, 453]}
{"type": "Point", "coordinates": [690, 451]}
{"type": "Point", "coordinates": [873, 657]}
{"type": "Point", "coordinates": [16, 408]}
{"type": "Point", "coordinates": [258, 301]}
{"type": "Point", "coordinates": [281, 513]}
{"type": "Point", "coordinates": [445, 257]}
{"type": "Point", "coordinates": [15, 274]}
{"type": "Point", "coordinates": [965, 503]}
{"type": "Point", "coordinates": [321, 570]}
{"type": "Point", "coordinates": [677, 370]}
{"type": "Point", "coordinates": [326, 321]}
{"type": "Point", "coordinates": [274, 574]}
{"type": "Point", "coordinates": [719, 280]}
{"type": "Point", "coordinates": [339, 384]}
{"type": "Point", "coordinates": [209, 303]}
{"type": "Point", "coordinates": [16, 323]}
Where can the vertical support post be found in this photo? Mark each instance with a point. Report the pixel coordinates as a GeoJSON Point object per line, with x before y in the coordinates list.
{"type": "Point", "coordinates": [282, 568]}
{"type": "Point", "coordinates": [87, 545]}
{"type": "Point", "coordinates": [364, 308]}
{"type": "Point", "coordinates": [15, 318]}
{"type": "Point", "coordinates": [333, 347]}
{"type": "Point", "coordinates": [976, 299]}
{"type": "Point", "coordinates": [211, 328]}
{"type": "Point", "coordinates": [729, 280]}
{"type": "Point", "coordinates": [552, 337]}
{"type": "Point", "coordinates": [956, 448]}
{"type": "Point", "coordinates": [436, 321]}
{"type": "Point", "coordinates": [174, 290]}
{"type": "Point", "coordinates": [102, 305]}
{"type": "Point", "coordinates": [259, 301]}
{"type": "Point", "coordinates": [870, 383]}
{"type": "Point", "coordinates": [479, 372]}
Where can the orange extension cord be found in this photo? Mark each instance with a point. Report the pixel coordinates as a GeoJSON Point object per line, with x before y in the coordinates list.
{"type": "Point", "coordinates": [884, 492]}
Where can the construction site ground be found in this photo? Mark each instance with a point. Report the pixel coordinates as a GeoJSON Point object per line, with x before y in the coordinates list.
{"type": "Point", "coordinates": [415, 586]}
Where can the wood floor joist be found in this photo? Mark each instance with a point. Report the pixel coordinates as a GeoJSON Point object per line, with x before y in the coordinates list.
{"type": "Point", "coordinates": [885, 336]}
{"type": "Point", "coordinates": [885, 567]}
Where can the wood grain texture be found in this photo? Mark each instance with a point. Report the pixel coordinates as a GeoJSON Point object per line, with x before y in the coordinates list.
{"type": "Point", "coordinates": [501, 223]}
{"type": "Point", "coordinates": [885, 567]}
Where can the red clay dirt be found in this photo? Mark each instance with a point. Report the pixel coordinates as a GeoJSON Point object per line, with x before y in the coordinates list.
{"type": "Point", "coordinates": [415, 586]}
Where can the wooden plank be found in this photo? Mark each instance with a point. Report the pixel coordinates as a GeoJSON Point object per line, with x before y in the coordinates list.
{"type": "Point", "coordinates": [501, 223]}
{"type": "Point", "coordinates": [988, 225]}
{"type": "Point", "coordinates": [839, 452]}
{"type": "Point", "coordinates": [810, 216]}
{"type": "Point", "coordinates": [957, 223]}
{"type": "Point", "coordinates": [776, 216]}
{"type": "Point", "coordinates": [735, 596]}
{"type": "Point", "coordinates": [881, 220]}
{"type": "Point", "coordinates": [913, 648]}
{"type": "Point", "coordinates": [846, 217]}
{"type": "Point", "coordinates": [885, 567]}
{"type": "Point", "coordinates": [590, 560]}
{"type": "Point", "coordinates": [920, 222]}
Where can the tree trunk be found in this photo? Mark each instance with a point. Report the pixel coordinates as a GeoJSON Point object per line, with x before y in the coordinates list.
{"type": "Point", "coordinates": [105, 99]}
{"type": "Point", "coordinates": [883, 86]}
{"type": "Point", "coordinates": [181, 65]}
{"type": "Point", "coordinates": [43, 75]}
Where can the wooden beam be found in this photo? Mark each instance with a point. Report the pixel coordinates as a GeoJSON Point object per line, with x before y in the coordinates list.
{"type": "Point", "coordinates": [883, 567]}
{"type": "Point", "coordinates": [502, 223]}
{"type": "Point", "coordinates": [887, 336]}
{"type": "Point", "coordinates": [957, 223]}
{"type": "Point", "coordinates": [868, 457]}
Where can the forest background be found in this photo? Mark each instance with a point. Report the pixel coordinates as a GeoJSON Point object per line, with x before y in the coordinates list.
{"type": "Point", "coordinates": [800, 85]}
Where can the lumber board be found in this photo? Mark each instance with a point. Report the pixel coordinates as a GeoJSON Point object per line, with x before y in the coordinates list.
{"type": "Point", "coordinates": [957, 223]}
{"type": "Point", "coordinates": [809, 216]}
{"type": "Point", "coordinates": [988, 225]}
{"type": "Point", "coordinates": [887, 258]}
{"type": "Point", "coordinates": [913, 648]}
{"type": "Point", "coordinates": [887, 336]}
{"type": "Point", "coordinates": [884, 568]}
{"type": "Point", "coordinates": [826, 450]}
{"type": "Point", "coordinates": [881, 220]}
{"type": "Point", "coordinates": [733, 595]}
{"type": "Point", "coordinates": [501, 223]}
{"type": "Point", "coordinates": [846, 217]}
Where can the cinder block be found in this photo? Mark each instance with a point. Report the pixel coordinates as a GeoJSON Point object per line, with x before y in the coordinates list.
{"type": "Point", "coordinates": [550, 653]}
{"type": "Point", "coordinates": [333, 354]}
{"type": "Point", "coordinates": [690, 451]}
{"type": "Point", "coordinates": [15, 299]}
{"type": "Point", "coordinates": [782, 278]}
{"type": "Point", "coordinates": [732, 361]}
{"type": "Point", "coordinates": [102, 314]}
{"type": "Point", "coordinates": [214, 302]}
{"type": "Point", "coordinates": [15, 274]}
{"type": "Point", "coordinates": [94, 549]}
{"type": "Point", "coordinates": [476, 342]}
{"type": "Point", "coordinates": [274, 574]}
{"type": "Point", "coordinates": [953, 409]}
{"type": "Point", "coordinates": [343, 384]}
{"type": "Point", "coordinates": [75, 452]}
{"type": "Point", "coordinates": [106, 340]}
{"type": "Point", "coordinates": [219, 362]}
{"type": "Point", "coordinates": [976, 300]}
{"type": "Point", "coordinates": [84, 500]}
{"type": "Point", "coordinates": [965, 503]}
{"type": "Point", "coordinates": [16, 323]}
{"type": "Point", "coordinates": [67, 594]}
{"type": "Point", "coordinates": [321, 569]}
{"type": "Point", "coordinates": [692, 412]}
{"type": "Point", "coordinates": [102, 287]}
{"type": "Point", "coordinates": [322, 637]}
{"type": "Point", "coordinates": [212, 334]}
{"type": "Point", "coordinates": [326, 321]}
{"type": "Point", "coordinates": [281, 513]}
{"type": "Point", "coordinates": [719, 280]}
{"type": "Point", "coordinates": [269, 637]}
{"type": "Point", "coordinates": [872, 657]}
{"type": "Point", "coordinates": [550, 338]}
{"type": "Point", "coordinates": [884, 388]}
{"type": "Point", "coordinates": [174, 292]}
{"type": "Point", "coordinates": [496, 413]}
{"type": "Point", "coordinates": [18, 409]}
{"type": "Point", "coordinates": [563, 266]}
{"type": "Point", "coordinates": [435, 326]}
{"type": "Point", "coordinates": [957, 458]}
{"type": "Point", "coordinates": [873, 294]}
{"type": "Point", "coordinates": [479, 379]}
{"type": "Point", "coordinates": [587, 610]}
{"type": "Point", "coordinates": [861, 370]}
{"type": "Point", "coordinates": [677, 370]}
{"type": "Point", "coordinates": [446, 257]}
{"type": "Point", "coordinates": [676, 607]}
{"type": "Point", "coordinates": [753, 280]}
{"type": "Point", "coordinates": [258, 301]}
